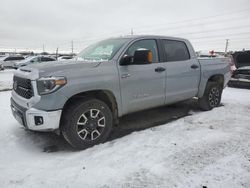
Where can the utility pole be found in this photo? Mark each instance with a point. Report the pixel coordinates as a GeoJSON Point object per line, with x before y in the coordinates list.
{"type": "Point", "coordinates": [72, 47]}
{"type": "Point", "coordinates": [132, 32]}
{"type": "Point", "coordinates": [43, 48]}
{"type": "Point", "coordinates": [227, 41]}
{"type": "Point", "coordinates": [56, 53]}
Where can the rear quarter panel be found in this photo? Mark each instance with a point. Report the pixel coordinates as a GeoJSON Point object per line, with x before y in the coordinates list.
{"type": "Point", "coordinates": [211, 67]}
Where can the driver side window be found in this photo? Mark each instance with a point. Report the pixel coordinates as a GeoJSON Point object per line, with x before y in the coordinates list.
{"type": "Point", "coordinates": [148, 44]}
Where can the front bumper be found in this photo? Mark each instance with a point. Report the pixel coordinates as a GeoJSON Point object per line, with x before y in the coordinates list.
{"type": "Point", "coordinates": [239, 82]}
{"type": "Point", "coordinates": [34, 119]}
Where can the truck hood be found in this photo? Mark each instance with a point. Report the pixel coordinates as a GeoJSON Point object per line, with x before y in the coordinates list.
{"type": "Point", "coordinates": [58, 68]}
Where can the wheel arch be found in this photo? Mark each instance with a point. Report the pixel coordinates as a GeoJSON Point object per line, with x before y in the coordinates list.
{"type": "Point", "coordinates": [104, 95]}
{"type": "Point", "coordinates": [218, 78]}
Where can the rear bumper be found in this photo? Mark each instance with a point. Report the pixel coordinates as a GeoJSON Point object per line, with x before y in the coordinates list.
{"type": "Point", "coordinates": [34, 119]}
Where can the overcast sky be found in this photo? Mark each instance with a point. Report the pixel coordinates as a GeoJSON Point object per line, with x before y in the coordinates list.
{"type": "Point", "coordinates": [28, 24]}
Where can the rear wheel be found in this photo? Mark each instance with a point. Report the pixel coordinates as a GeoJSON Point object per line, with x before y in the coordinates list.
{"type": "Point", "coordinates": [87, 123]}
{"type": "Point", "coordinates": [211, 97]}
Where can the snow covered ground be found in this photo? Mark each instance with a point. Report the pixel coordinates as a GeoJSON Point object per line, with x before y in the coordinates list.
{"type": "Point", "coordinates": [204, 149]}
{"type": "Point", "coordinates": [6, 79]}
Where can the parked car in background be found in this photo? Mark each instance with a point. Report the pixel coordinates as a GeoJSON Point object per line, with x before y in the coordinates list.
{"type": "Point", "coordinates": [62, 58]}
{"type": "Point", "coordinates": [241, 76]}
{"type": "Point", "coordinates": [33, 60]}
{"type": "Point", "coordinates": [8, 61]}
{"type": "Point", "coordinates": [1, 66]}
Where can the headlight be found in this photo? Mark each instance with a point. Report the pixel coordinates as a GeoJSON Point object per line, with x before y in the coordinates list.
{"type": "Point", "coordinates": [50, 84]}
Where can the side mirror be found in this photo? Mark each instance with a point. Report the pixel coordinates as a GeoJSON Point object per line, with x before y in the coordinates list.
{"type": "Point", "coordinates": [143, 57]}
{"type": "Point", "coordinates": [126, 60]}
{"type": "Point", "coordinates": [140, 57]}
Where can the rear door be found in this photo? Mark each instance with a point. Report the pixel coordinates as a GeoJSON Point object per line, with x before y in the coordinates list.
{"type": "Point", "coordinates": [142, 86]}
{"type": "Point", "coordinates": [183, 72]}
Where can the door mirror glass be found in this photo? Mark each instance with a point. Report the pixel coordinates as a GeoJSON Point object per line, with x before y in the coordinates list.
{"type": "Point", "coordinates": [143, 56]}
{"type": "Point", "coordinates": [126, 60]}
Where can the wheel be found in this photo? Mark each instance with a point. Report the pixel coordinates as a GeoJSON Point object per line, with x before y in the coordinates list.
{"type": "Point", "coordinates": [211, 97]}
{"type": "Point", "coordinates": [86, 123]}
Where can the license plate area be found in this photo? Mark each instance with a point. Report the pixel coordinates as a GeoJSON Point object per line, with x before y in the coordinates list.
{"type": "Point", "coordinates": [18, 115]}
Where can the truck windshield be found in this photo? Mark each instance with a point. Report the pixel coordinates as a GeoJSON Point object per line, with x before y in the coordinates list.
{"type": "Point", "coordinates": [102, 51]}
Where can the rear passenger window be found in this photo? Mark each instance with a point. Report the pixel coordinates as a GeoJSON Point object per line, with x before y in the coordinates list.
{"type": "Point", "coordinates": [176, 50]}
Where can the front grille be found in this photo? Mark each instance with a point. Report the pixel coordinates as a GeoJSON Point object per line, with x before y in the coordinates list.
{"type": "Point", "coordinates": [22, 87]}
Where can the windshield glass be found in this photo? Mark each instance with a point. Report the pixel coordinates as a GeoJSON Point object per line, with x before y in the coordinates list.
{"type": "Point", "coordinates": [102, 51]}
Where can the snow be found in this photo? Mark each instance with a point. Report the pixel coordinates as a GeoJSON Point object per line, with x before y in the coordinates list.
{"type": "Point", "coordinates": [6, 79]}
{"type": "Point", "coordinates": [209, 149]}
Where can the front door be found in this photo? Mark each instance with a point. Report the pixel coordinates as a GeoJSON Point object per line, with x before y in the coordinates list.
{"type": "Point", "coordinates": [142, 86]}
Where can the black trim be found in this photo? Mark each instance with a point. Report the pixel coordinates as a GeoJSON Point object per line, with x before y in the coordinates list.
{"type": "Point", "coordinates": [20, 111]}
{"type": "Point", "coordinates": [161, 53]}
{"type": "Point", "coordinates": [23, 87]}
{"type": "Point", "coordinates": [239, 84]}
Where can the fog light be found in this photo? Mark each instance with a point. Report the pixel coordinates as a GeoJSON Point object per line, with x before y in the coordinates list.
{"type": "Point", "coordinates": [38, 120]}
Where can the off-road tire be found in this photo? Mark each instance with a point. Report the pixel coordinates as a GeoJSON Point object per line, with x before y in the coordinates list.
{"type": "Point", "coordinates": [211, 97]}
{"type": "Point", "coordinates": [70, 122]}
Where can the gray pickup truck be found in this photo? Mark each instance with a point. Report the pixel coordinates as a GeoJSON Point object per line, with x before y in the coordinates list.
{"type": "Point", "coordinates": [83, 98]}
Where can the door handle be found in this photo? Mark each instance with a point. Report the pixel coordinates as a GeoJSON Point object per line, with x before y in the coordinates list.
{"type": "Point", "coordinates": [160, 69]}
{"type": "Point", "coordinates": [125, 75]}
{"type": "Point", "coordinates": [194, 66]}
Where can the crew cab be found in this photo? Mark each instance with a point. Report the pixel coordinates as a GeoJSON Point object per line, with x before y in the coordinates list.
{"type": "Point", "coordinates": [84, 98]}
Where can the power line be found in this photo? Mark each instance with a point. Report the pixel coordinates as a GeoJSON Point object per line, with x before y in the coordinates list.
{"type": "Point", "coordinates": [183, 21]}
{"type": "Point", "coordinates": [214, 30]}
{"type": "Point", "coordinates": [224, 35]}
{"type": "Point", "coordinates": [206, 23]}
{"type": "Point", "coordinates": [206, 17]}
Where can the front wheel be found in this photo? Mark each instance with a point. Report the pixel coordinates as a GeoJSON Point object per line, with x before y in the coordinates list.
{"type": "Point", "coordinates": [211, 97]}
{"type": "Point", "coordinates": [87, 123]}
